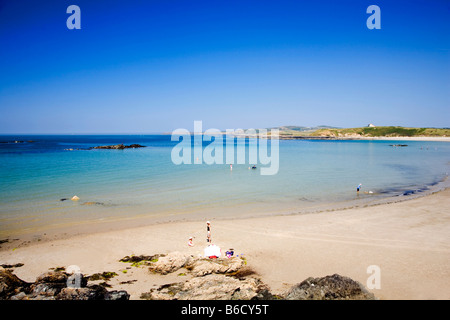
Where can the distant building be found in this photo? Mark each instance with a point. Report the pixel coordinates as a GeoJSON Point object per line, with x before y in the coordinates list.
{"type": "Point", "coordinates": [371, 125]}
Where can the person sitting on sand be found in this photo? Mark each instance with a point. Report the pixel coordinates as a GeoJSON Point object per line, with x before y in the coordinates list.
{"type": "Point", "coordinates": [229, 253]}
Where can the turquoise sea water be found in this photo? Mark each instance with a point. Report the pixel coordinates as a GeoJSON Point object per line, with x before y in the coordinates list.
{"type": "Point", "coordinates": [116, 184]}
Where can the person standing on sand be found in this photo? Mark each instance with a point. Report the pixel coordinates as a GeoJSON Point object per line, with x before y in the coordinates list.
{"type": "Point", "coordinates": [208, 232]}
{"type": "Point", "coordinates": [190, 242]}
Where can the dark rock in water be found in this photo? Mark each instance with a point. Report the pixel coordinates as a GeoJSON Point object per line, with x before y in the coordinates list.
{"type": "Point", "coordinates": [334, 287]}
{"type": "Point", "coordinates": [120, 146]}
{"type": "Point", "coordinates": [135, 145]}
{"type": "Point", "coordinates": [52, 285]}
{"type": "Point", "coordinates": [13, 141]}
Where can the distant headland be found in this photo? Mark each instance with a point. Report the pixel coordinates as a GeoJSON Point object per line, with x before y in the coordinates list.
{"type": "Point", "coordinates": [369, 132]}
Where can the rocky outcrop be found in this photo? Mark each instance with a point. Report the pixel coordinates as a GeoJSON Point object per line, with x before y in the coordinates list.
{"type": "Point", "coordinates": [202, 267]}
{"type": "Point", "coordinates": [120, 146]}
{"type": "Point", "coordinates": [334, 287]}
{"type": "Point", "coordinates": [209, 279]}
{"type": "Point", "coordinates": [171, 262]}
{"type": "Point", "coordinates": [95, 292]}
{"type": "Point", "coordinates": [231, 279]}
{"type": "Point", "coordinates": [10, 284]}
{"type": "Point", "coordinates": [211, 287]}
{"type": "Point", "coordinates": [203, 279]}
{"type": "Point", "coordinates": [225, 287]}
{"type": "Point", "coordinates": [196, 266]}
{"type": "Point", "coordinates": [52, 285]}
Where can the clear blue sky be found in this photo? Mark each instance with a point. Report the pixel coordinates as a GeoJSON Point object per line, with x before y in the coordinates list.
{"type": "Point", "coordinates": [154, 66]}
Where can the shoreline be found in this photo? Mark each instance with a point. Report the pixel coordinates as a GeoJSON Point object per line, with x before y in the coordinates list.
{"type": "Point", "coordinates": [282, 136]}
{"type": "Point", "coordinates": [437, 139]}
{"type": "Point", "coordinates": [408, 240]}
{"type": "Point", "coordinates": [87, 227]}
{"type": "Point", "coordinates": [256, 135]}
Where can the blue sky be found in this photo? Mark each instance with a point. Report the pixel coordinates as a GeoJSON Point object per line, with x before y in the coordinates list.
{"type": "Point", "coordinates": [154, 66]}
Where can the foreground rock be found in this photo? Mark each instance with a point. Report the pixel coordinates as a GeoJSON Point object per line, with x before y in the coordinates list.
{"type": "Point", "coordinates": [203, 279]}
{"type": "Point", "coordinates": [202, 267]}
{"type": "Point", "coordinates": [232, 279]}
{"type": "Point", "coordinates": [171, 262]}
{"type": "Point", "coordinates": [212, 279]}
{"type": "Point", "coordinates": [10, 284]}
{"type": "Point", "coordinates": [211, 287]}
{"type": "Point", "coordinates": [197, 267]}
{"type": "Point", "coordinates": [334, 287]}
{"type": "Point", "coordinates": [52, 285]}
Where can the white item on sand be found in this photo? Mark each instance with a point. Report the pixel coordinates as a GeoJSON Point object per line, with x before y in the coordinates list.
{"type": "Point", "coordinates": [212, 251]}
{"type": "Point", "coordinates": [75, 198]}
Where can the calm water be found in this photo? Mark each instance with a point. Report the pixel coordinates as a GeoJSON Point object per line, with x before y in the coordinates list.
{"type": "Point", "coordinates": [116, 184]}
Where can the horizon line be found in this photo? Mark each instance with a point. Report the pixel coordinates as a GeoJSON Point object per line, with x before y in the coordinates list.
{"type": "Point", "coordinates": [167, 132]}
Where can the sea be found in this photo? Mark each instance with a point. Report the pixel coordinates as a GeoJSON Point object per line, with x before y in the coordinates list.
{"type": "Point", "coordinates": [39, 175]}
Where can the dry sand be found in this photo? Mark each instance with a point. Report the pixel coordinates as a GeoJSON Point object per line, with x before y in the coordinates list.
{"type": "Point", "coordinates": [409, 241]}
{"type": "Point", "coordinates": [442, 139]}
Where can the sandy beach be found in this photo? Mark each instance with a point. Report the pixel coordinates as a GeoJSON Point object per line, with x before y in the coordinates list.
{"type": "Point", "coordinates": [359, 137]}
{"type": "Point", "coordinates": [442, 139]}
{"type": "Point", "coordinates": [409, 241]}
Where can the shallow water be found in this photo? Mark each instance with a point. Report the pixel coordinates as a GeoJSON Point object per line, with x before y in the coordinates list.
{"type": "Point", "coordinates": [115, 184]}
